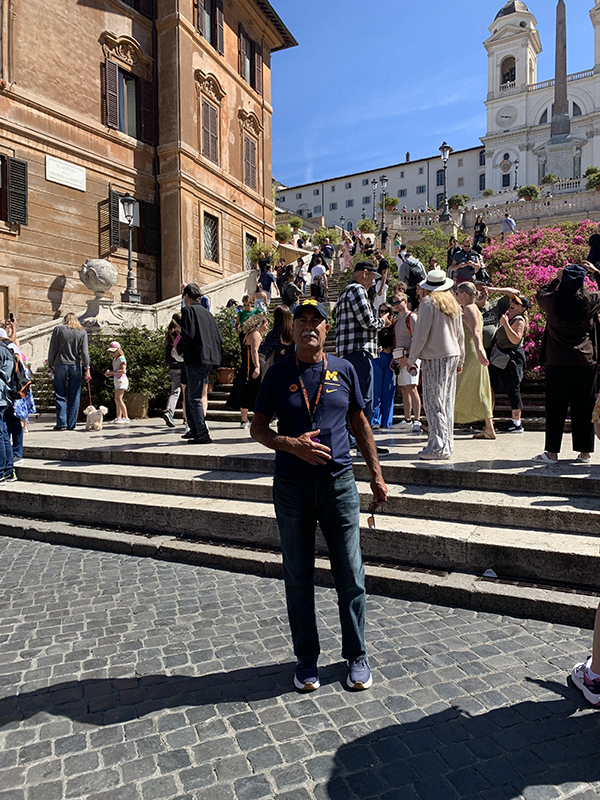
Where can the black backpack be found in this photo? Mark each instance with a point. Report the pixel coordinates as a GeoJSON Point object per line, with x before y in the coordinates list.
{"type": "Point", "coordinates": [415, 276]}
{"type": "Point", "coordinates": [20, 384]}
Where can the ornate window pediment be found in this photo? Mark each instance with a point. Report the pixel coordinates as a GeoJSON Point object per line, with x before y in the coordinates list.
{"type": "Point", "coordinates": [209, 85]}
{"type": "Point", "coordinates": [250, 122]}
{"type": "Point", "coordinates": [127, 52]}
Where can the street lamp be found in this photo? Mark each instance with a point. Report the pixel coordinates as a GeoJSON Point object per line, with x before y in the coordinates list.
{"type": "Point", "coordinates": [445, 150]}
{"type": "Point", "coordinates": [384, 185]}
{"type": "Point", "coordinates": [342, 220]}
{"type": "Point", "coordinates": [130, 295]}
{"type": "Point", "coordinates": [516, 174]}
{"type": "Point", "coordinates": [363, 213]}
{"type": "Point", "coordinates": [374, 185]}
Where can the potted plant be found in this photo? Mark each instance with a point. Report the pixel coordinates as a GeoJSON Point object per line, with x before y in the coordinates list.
{"type": "Point", "coordinates": [528, 192]}
{"type": "Point", "coordinates": [269, 249]}
{"type": "Point", "coordinates": [296, 223]}
{"type": "Point", "coordinates": [591, 170]}
{"type": "Point", "coordinates": [366, 226]}
{"type": "Point", "coordinates": [489, 192]}
{"type": "Point", "coordinates": [593, 182]}
{"type": "Point", "coordinates": [390, 203]}
{"type": "Point", "coordinates": [458, 200]}
{"type": "Point", "coordinates": [283, 234]}
{"type": "Point", "coordinates": [549, 179]}
{"type": "Point", "coordinates": [326, 233]}
{"type": "Point", "coordinates": [231, 357]}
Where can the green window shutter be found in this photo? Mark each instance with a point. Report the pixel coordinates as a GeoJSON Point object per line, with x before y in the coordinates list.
{"type": "Point", "coordinates": [115, 226]}
{"type": "Point", "coordinates": [16, 191]}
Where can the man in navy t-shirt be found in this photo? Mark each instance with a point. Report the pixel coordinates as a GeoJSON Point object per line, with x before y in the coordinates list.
{"type": "Point", "coordinates": [312, 394]}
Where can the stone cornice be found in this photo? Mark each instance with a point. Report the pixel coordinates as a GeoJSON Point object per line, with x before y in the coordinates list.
{"type": "Point", "coordinates": [126, 51]}
{"type": "Point", "coordinates": [250, 122]}
{"type": "Point", "coordinates": [209, 85]}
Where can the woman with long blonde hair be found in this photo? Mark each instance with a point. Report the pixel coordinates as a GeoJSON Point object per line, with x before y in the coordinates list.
{"type": "Point", "coordinates": [67, 355]}
{"type": "Point", "coordinates": [438, 340]}
{"type": "Point", "coordinates": [473, 391]}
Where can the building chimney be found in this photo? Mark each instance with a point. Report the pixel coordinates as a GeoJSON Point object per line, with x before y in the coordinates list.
{"type": "Point", "coordinates": [407, 157]}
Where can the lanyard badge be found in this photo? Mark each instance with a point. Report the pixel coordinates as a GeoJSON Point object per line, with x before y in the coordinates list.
{"type": "Point", "coordinates": [311, 408]}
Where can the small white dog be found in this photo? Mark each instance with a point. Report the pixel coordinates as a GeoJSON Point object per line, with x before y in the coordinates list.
{"type": "Point", "coordinates": [94, 417]}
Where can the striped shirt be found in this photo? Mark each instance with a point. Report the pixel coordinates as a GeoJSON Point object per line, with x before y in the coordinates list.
{"type": "Point", "coordinates": [356, 325]}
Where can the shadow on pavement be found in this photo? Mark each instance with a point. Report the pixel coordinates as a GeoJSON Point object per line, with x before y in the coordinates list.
{"type": "Point", "coordinates": [451, 754]}
{"type": "Point", "coordinates": [106, 701]}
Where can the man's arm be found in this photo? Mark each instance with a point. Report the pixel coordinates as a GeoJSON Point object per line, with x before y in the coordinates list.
{"type": "Point", "coordinates": [363, 312]}
{"type": "Point", "coordinates": [366, 444]}
{"type": "Point", "coordinates": [305, 446]}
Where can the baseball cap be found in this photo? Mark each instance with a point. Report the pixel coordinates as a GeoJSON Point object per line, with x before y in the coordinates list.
{"type": "Point", "coordinates": [369, 267]}
{"type": "Point", "coordinates": [314, 304]}
{"type": "Point", "coordinates": [113, 346]}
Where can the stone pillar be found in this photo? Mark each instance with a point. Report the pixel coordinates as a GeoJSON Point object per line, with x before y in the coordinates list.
{"type": "Point", "coordinates": [561, 122]}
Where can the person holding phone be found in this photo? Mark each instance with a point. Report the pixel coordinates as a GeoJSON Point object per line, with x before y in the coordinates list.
{"type": "Point", "coordinates": [312, 394]}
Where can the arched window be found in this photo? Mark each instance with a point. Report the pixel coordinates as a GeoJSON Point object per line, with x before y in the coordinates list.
{"type": "Point", "coordinates": [439, 201]}
{"type": "Point", "coordinates": [576, 110]}
{"type": "Point", "coordinates": [508, 71]}
{"type": "Point", "coordinates": [482, 182]}
{"type": "Point", "coordinates": [544, 118]}
{"type": "Point", "coordinates": [439, 177]}
{"type": "Point", "coordinates": [482, 158]}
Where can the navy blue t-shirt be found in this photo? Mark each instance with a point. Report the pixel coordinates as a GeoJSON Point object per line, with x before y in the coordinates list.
{"type": "Point", "coordinates": [281, 394]}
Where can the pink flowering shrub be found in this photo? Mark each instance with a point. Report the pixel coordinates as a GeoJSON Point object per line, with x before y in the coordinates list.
{"type": "Point", "coordinates": [529, 259]}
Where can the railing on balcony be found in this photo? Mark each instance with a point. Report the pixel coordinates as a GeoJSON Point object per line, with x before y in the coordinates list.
{"type": "Point", "coordinates": [506, 87]}
{"type": "Point", "coordinates": [574, 185]}
{"type": "Point", "coordinates": [576, 76]}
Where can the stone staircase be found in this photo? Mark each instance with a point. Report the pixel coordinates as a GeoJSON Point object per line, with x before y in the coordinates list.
{"type": "Point", "coordinates": [143, 491]}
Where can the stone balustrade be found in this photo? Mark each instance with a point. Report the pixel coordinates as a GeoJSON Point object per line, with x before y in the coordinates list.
{"type": "Point", "coordinates": [34, 341]}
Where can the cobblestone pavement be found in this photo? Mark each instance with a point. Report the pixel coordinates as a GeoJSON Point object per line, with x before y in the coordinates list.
{"type": "Point", "coordinates": [126, 678]}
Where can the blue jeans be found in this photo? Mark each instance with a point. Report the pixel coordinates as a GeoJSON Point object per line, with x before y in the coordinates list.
{"type": "Point", "coordinates": [361, 361]}
{"type": "Point", "coordinates": [334, 504]}
{"type": "Point", "coordinates": [67, 391]}
{"type": "Point", "coordinates": [383, 390]}
{"type": "Point", "coordinates": [15, 430]}
{"type": "Point", "coordinates": [197, 375]}
{"type": "Point", "coordinates": [6, 453]}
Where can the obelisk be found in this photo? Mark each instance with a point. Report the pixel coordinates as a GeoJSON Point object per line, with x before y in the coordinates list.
{"type": "Point", "coordinates": [560, 151]}
{"type": "Point", "coordinates": [561, 122]}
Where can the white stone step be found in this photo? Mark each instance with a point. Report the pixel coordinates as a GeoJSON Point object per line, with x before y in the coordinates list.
{"type": "Point", "coordinates": [238, 517]}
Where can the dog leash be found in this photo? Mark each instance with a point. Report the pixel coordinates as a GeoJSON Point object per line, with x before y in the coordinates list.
{"type": "Point", "coordinates": [89, 384]}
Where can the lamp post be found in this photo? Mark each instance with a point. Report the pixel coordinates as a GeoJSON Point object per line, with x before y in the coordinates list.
{"type": "Point", "coordinates": [374, 185]}
{"type": "Point", "coordinates": [384, 185]}
{"type": "Point", "coordinates": [363, 213]}
{"type": "Point", "coordinates": [130, 295]}
{"type": "Point", "coordinates": [516, 174]}
{"type": "Point", "coordinates": [342, 220]}
{"type": "Point", "coordinates": [445, 151]}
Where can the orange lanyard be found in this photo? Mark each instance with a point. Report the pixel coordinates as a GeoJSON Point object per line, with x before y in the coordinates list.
{"type": "Point", "coordinates": [311, 408]}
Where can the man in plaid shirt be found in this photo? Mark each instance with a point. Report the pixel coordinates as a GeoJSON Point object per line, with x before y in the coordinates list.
{"type": "Point", "coordinates": [356, 329]}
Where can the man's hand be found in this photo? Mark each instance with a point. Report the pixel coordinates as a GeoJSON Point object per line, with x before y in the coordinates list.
{"type": "Point", "coordinates": [309, 449]}
{"type": "Point", "coordinates": [380, 491]}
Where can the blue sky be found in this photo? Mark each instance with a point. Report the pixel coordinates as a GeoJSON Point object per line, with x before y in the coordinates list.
{"type": "Point", "coordinates": [370, 81]}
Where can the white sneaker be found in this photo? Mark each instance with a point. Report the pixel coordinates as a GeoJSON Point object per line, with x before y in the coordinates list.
{"type": "Point", "coordinates": [416, 427]}
{"type": "Point", "coordinates": [375, 426]}
{"type": "Point", "coordinates": [404, 424]}
{"type": "Point", "coordinates": [244, 425]}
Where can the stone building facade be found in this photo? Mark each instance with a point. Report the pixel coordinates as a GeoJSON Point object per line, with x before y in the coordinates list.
{"type": "Point", "coordinates": [167, 100]}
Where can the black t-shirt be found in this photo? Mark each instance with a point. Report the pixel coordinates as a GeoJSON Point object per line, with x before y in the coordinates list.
{"type": "Point", "coordinates": [281, 394]}
{"type": "Point", "coordinates": [385, 337]}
